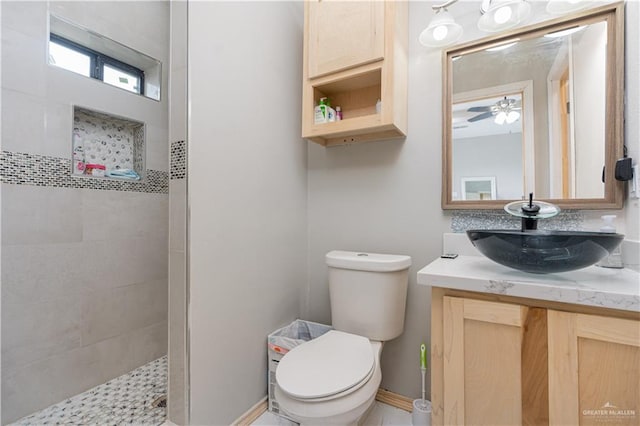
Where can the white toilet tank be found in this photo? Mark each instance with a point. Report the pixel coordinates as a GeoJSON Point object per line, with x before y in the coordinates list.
{"type": "Point", "coordinates": [368, 293]}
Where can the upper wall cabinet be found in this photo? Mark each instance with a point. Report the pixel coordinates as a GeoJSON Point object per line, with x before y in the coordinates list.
{"type": "Point", "coordinates": [355, 54]}
{"type": "Point", "coordinates": [344, 35]}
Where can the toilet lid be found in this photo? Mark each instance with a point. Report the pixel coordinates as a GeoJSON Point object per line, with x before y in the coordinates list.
{"type": "Point", "coordinates": [332, 363]}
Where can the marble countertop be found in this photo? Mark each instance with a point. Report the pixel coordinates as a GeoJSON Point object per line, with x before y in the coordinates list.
{"type": "Point", "coordinates": [592, 286]}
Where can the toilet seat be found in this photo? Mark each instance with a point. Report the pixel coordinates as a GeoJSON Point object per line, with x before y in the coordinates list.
{"type": "Point", "coordinates": [331, 366]}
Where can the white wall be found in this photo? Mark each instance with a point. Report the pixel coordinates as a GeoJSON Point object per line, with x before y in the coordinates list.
{"type": "Point", "coordinates": [84, 271]}
{"type": "Point", "coordinates": [247, 196]}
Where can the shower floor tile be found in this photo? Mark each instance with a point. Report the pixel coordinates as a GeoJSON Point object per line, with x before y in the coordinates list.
{"type": "Point", "coordinates": [129, 399]}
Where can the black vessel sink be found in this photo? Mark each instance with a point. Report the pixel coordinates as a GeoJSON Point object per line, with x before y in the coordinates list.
{"type": "Point", "coordinates": [544, 252]}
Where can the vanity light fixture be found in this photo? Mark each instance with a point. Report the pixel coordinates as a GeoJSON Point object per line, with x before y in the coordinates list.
{"type": "Point", "coordinates": [443, 29]}
{"type": "Point", "coordinates": [497, 15]}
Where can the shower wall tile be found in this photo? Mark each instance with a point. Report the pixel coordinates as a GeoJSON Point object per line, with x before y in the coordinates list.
{"type": "Point", "coordinates": [26, 54]}
{"type": "Point", "coordinates": [39, 170]}
{"type": "Point", "coordinates": [25, 17]}
{"type": "Point", "coordinates": [64, 238]}
{"type": "Point", "coordinates": [56, 378]}
{"type": "Point", "coordinates": [58, 126]}
{"type": "Point", "coordinates": [157, 144]}
{"type": "Point", "coordinates": [36, 331]}
{"type": "Point", "coordinates": [111, 312]}
{"type": "Point", "coordinates": [54, 215]}
{"type": "Point", "coordinates": [150, 343]}
{"type": "Point", "coordinates": [112, 215]}
{"type": "Point", "coordinates": [23, 125]}
{"type": "Point", "coordinates": [178, 214]}
{"type": "Point", "coordinates": [39, 272]}
{"type": "Point", "coordinates": [116, 263]}
{"type": "Point", "coordinates": [177, 338]}
{"type": "Point", "coordinates": [178, 106]}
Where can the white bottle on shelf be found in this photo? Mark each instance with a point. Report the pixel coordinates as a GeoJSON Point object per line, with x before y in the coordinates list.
{"type": "Point", "coordinates": [320, 112]}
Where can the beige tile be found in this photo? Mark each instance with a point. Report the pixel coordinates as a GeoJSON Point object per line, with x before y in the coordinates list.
{"type": "Point", "coordinates": [103, 315]}
{"type": "Point", "coordinates": [40, 215]}
{"type": "Point", "coordinates": [58, 128]}
{"type": "Point", "coordinates": [112, 312]}
{"type": "Point", "coordinates": [177, 214]}
{"type": "Point", "coordinates": [51, 380]}
{"type": "Point", "coordinates": [157, 146]}
{"type": "Point", "coordinates": [27, 74]}
{"type": "Point", "coordinates": [177, 342]}
{"type": "Point", "coordinates": [117, 215]}
{"type": "Point", "coordinates": [178, 104]}
{"type": "Point", "coordinates": [34, 273]}
{"type": "Point", "coordinates": [27, 17]}
{"type": "Point", "coordinates": [150, 343]}
{"type": "Point", "coordinates": [33, 332]}
{"type": "Point", "coordinates": [119, 263]}
{"type": "Point", "coordinates": [146, 304]}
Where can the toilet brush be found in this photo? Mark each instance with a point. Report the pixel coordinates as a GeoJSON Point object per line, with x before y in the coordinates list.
{"type": "Point", "coordinates": [423, 372]}
{"type": "Point", "coordinates": [421, 414]}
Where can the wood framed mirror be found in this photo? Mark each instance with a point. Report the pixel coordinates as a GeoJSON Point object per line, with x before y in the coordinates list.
{"type": "Point", "coordinates": [540, 109]}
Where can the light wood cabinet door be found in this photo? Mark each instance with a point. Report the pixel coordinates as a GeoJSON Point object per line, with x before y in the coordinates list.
{"type": "Point", "coordinates": [482, 351]}
{"type": "Point", "coordinates": [594, 370]}
{"type": "Point", "coordinates": [344, 34]}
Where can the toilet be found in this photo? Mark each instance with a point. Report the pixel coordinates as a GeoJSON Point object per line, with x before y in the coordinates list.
{"type": "Point", "coordinates": [333, 380]}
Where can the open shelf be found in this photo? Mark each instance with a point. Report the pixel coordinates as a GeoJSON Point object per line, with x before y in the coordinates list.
{"type": "Point", "coordinates": [356, 75]}
{"type": "Point", "coordinates": [108, 143]}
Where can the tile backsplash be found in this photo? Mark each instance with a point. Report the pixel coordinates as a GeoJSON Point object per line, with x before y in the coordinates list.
{"type": "Point", "coordinates": [461, 221]}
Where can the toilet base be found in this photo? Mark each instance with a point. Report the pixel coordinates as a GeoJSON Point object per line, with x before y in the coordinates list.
{"type": "Point", "coordinates": [355, 417]}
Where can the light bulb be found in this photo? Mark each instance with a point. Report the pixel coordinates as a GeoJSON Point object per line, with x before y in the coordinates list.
{"type": "Point", "coordinates": [440, 32]}
{"type": "Point", "coordinates": [502, 15]}
{"type": "Point", "coordinates": [500, 118]}
{"type": "Point", "coordinates": [512, 116]}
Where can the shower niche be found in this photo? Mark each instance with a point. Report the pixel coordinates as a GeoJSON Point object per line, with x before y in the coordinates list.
{"type": "Point", "coordinates": [106, 146]}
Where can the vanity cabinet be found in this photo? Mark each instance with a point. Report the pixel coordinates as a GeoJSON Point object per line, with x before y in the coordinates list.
{"type": "Point", "coordinates": [355, 54]}
{"type": "Point", "coordinates": [594, 369]}
{"type": "Point", "coordinates": [507, 360]}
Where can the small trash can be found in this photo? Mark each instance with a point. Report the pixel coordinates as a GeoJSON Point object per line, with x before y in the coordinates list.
{"type": "Point", "coordinates": [282, 341]}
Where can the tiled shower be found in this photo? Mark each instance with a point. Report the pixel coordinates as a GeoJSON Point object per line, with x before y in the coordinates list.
{"type": "Point", "coordinates": [84, 258]}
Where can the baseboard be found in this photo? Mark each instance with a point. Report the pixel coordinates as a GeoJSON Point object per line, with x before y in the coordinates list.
{"type": "Point", "coordinates": [394, 399]}
{"type": "Point", "coordinates": [252, 413]}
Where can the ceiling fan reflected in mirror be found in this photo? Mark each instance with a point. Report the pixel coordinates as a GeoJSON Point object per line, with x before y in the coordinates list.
{"type": "Point", "coordinates": [506, 110]}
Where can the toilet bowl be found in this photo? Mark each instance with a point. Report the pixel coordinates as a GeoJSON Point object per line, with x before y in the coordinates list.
{"type": "Point", "coordinates": [333, 380]}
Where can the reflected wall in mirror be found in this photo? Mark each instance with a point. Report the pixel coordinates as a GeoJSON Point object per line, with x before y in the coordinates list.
{"type": "Point", "coordinates": [539, 110]}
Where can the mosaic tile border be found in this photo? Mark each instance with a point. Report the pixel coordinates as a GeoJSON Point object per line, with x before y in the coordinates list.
{"type": "Point", "coordinates": [127, 399]}
{"type": "Point", "coordinates": [566, 220]}
{"type": "Point", "coordinates": [178, 162]}
{"type": "Point", "coordinates": [41, 170]}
